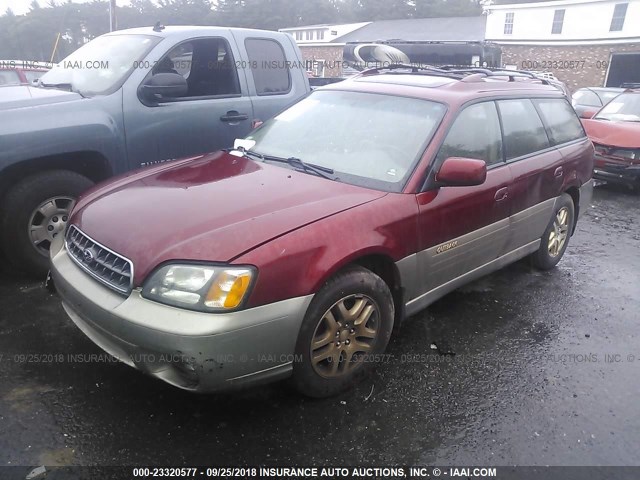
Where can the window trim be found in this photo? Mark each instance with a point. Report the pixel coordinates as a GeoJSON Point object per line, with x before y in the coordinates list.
{"type": "Point", "coordinates": [148, 103]}
{"type": "Point", "coordinates": [284, 57]}
{"type": "Point", "coordinates": [558, 24]}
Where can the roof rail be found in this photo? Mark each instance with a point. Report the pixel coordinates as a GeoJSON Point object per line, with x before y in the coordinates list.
{"type": "Point", "coordinates": [496, 72]}
{"type": "Point", "coordinates": [436, 71]}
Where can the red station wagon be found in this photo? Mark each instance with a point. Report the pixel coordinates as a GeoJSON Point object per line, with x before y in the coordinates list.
{"type": "Point", "coordinates": [298, 252]}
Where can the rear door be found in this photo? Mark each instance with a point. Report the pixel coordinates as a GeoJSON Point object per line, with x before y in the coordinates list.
{"type": "Point", "coordinates": [536, 168]}
{"type": "Point", "coordinates": [215, 111]}
{"type": "Point", "coordinates": [275, 75]}
{"type": "Point", "coordinates": [463, 228]}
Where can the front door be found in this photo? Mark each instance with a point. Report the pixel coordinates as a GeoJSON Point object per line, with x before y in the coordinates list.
{"type": "Point", "coordinates": [215, 111]}
{"type": "Point", "coordinates": [463, 228]}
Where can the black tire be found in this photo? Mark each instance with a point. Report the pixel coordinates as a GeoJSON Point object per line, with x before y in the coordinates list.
{"type": "Point", "coordinates": [544, 258]}
{"type": "Point", "coordinates": [21, 202]}
{"type": "Point", "coordinates": [352, 285]}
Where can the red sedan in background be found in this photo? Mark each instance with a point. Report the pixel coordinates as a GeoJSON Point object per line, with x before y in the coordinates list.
{"type": "Point", "coordinates": [615, 133]}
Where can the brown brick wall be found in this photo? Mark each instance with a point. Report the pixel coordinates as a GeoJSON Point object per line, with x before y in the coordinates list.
{"type": "Point", "coordinates": [330, 54]}
{"type": "Point", "coordinates": [588, 70]}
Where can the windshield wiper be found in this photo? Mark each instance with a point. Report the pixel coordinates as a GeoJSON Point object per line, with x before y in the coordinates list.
{"type": "Point", "coordinates": [65, 86]}
{"type": "Point", "coordinates": [296, 163]}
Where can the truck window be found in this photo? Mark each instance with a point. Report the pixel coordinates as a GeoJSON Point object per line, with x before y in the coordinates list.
{"type": "Point", "coordinates": [269, 66]}
{"type": "Point", "coordinates": [207, 65]}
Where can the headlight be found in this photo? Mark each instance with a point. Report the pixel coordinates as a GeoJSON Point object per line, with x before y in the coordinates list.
{"type": "Point", "coordinates": [205, 288]}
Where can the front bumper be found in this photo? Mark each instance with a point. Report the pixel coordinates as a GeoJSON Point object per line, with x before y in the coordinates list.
{"type": "Point", "coordinates": [616, 173]}
{"type": "Point", "coordinates": [191, 350]}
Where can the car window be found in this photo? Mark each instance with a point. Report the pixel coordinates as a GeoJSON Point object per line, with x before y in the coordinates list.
{"type": "Point", "coordinates": [269, 66]}
{"type": "Point", "coordinates": [522, 128]}
{"type": "Point", "coordinates": [564, 125]}
{"type": "Point", "coordinates": [207, 65]}
{"type": "Point", "coordinates": [9, 77]}
{"type": "Point", "coordinates": [606, 97]}
{"type": "Point", "coordinates": [474, 134]}
{"type": "Point", "coordinates": [368, 139]}
{"type": "Point", "coordinates": [586, 97]}
{"type": "Point", "coordinates": [32, 75]}
{"type": "Point", "coordinates": [102, 65]}
{"type": "Point", "coordinates": [625, 108]}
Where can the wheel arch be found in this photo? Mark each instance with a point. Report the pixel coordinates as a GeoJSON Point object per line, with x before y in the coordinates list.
{"type": "Point", "coordinates": [383, 265]}
{"type": "Point", "coordinates": [91, 164]}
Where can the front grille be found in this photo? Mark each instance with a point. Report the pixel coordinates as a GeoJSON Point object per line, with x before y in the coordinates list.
{"type": "Point", "coordinates": [106, 266]}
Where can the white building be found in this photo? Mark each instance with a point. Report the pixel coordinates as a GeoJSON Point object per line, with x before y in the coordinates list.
{"type": "Point", "coordinates": [583, 42]}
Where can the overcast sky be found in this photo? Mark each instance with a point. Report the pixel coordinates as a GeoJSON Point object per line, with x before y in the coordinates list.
{"type": "Point", "coordinates": [22, 6]}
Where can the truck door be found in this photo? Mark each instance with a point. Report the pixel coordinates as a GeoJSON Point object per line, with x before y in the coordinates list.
{"type": "Point", "coordinates": [215, 110]}
{"type": "Point", "coordinates": [275, 73]}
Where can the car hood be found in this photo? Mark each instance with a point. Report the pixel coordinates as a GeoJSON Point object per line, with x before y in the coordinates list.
{"type": "Point", "coordinates": [614, 134]}
{"type": "Point", "coordinates": [21, 96]}
{"type": "Point", "coordinates": [212, 208]}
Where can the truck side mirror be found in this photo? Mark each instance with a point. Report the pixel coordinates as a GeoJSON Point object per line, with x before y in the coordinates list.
{"type": "Point", "coordinates": [164, 85]}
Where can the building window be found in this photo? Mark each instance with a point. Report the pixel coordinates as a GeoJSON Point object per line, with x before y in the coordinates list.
{"type": "Point", "coordinates": [617, 22]}
{"type": "Point", "coordinates": [309, 35]}
{"type": "Point", "coordinates": [558, 20]}
{"type": "Point", "coordinates": [298, 35]}
{"type": "Point", "coordinates": [318, 67]}
{"type": "Point", "coordinates": [320, 34]}
{"type": "Point", "coordinates": [508, 23]}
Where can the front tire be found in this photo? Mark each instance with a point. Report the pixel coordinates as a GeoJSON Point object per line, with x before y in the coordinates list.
{"type": "Point", "coordinates": [556, 237]}
{"type": "Point", "coordinates": [34, 212]}
{"type": "Point", "coordinates": [346, 328]}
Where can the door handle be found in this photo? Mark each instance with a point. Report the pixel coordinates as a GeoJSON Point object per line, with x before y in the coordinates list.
{"type": "Point", "coordinates": [558, 173]}
{"type": "Point", "coordinates": [501, 194]}
{"type": "Point", "coordinates": [234, 116]}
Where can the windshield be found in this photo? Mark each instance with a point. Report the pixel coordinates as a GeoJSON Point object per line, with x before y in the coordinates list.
{"type": "Point", "coordinates": [367, 139]}
{"type": "Point", "coordinates": [624, 108]}
{"type": "Point", "coordinates": [101, 65]}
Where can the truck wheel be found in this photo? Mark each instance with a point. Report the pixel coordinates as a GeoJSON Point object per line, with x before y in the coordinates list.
{"type": "Point", "coordinates": [34, 212]}
{"type": "Point", "coordinates": [556, 237]}
{"type": "Point", "coordinates": [345, 331]}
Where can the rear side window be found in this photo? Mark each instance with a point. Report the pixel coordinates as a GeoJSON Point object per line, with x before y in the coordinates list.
{"type": "Point", "coordinates": [269, 66]}
{"type": "Point", "coordinates": [561, 120]}
{"type": "Point", "coordinates": [522, 128]}
{"type": "Point", "coordinates": [474, 134]}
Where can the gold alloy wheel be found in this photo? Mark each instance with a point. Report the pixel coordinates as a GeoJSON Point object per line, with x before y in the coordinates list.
{"type": "Point", "coordinates": [344, 336]}
{"type": "Point", "coordinates": [559, 232]}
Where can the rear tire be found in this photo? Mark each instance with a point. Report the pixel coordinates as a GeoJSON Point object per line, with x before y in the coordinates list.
{"type": "Point", "coordinates": [34, 211]}
{"type": "Point", "coordinates": [346, 328]}
{"type": "Point", "coordinates": [556, 237]}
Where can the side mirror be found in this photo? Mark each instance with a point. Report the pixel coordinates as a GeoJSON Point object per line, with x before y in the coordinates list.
{"type": "Point", "coordinates": [165, 85]}
{"type": "Point", "coordinates": [462, 172]}
{"type": "Point", "coordinates": [588, 113]}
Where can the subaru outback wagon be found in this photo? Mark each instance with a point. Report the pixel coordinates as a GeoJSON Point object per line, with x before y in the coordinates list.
{"type": "Point", "coordinates": [298, 252]}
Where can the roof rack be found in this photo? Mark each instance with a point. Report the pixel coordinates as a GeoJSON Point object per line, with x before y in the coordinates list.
{"type": "Point", "coordinates": [497, 72]}
{"type": "Point", "coordinates": [427, 69]}
{"type": "Point", "coordinates": [464, 74]}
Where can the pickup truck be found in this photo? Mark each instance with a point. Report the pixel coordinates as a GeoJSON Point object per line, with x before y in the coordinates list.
{"type": "Point", "coordinates": [126, 100]}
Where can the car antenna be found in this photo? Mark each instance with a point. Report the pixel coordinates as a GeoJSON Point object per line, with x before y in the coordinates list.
{"type": "Point", "coordinates": [158, 27]}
